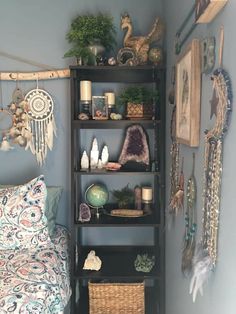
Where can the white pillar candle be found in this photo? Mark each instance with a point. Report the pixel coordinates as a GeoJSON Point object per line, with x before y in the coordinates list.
{"type": "Point", "coordinates": [146, 194]}
{"type": "Point", "coordinates": [110, 98]}
{"type": "Point", "coordinates": [85, 90]}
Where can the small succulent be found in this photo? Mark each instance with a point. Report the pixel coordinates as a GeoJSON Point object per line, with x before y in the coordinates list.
{"type": "Point", "coordinates": [144, 263]}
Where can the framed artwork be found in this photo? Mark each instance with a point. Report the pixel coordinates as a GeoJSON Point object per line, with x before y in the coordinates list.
{"type": "Point", "coordinates": [206, 10]}
{"type": "Point", "coordinates": [188, 95]}
{"type": "Point", "coordinates": [99, 108]}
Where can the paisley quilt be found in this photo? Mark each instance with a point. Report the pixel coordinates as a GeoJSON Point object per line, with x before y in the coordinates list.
{"type": "Point", "coordinates": [36, 280]}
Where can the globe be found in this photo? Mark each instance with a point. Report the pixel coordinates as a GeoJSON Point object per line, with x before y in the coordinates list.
{"type": "Point", "coordinates": [97, 195]}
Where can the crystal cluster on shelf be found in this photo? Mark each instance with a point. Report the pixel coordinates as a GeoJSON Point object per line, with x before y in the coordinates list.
{"type": "Point", "coordinates": [92, 262]}
{"type": "Point", "coordinates": [93, 161]}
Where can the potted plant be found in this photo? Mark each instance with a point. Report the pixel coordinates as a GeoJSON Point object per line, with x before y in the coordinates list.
{"type": "Point", "coordinates": [138, 101]}
{"type": "Point", "coordinates": [124, 197]}
{"type": "Point", "coordinates": [87, 30]}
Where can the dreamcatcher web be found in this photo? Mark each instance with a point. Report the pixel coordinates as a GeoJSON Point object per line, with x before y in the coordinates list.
{"type": "Point", "coordinates": [41, 123]}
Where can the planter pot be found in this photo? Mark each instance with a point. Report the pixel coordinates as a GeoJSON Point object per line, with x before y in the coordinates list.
{"type": "Point", "coordinates": [142, 111]}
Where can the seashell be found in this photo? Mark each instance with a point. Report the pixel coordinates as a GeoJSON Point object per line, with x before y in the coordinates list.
{"type": "Point", "coordinates": [5, 146]}
{"type": "Point", "coordinates": [112, 61]}
{"type": "Point", "coordinates": [23, 104]}
{"type": "Point", "coordinates": [12, 106]}
{"type": "Point", "coordinates": [19, 125]}
{"type": "Point", "coordinates": [19, 111]}
{"type": "Point", "coordinates": [12, 131]}
{"type": "Point", "coordinates": [23, 116]}
{"type": "Point", "coordinates": [26, 133]}
{"type": "Point", "coordinates": [21, 140]}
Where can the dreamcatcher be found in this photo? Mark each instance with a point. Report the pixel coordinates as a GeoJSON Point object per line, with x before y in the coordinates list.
{"type": "Point", "coordinates": [206, 253]}
{"type": "Point", "coordinates": [6, 123]}
{"type": "Point", "coordinates": [41, 123]}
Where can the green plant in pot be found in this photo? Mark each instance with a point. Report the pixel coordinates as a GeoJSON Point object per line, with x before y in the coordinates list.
{"type": "Point", "coordinates": [138, 101]}
{"type": "Point", "coordinates": [124, 197]}
{"type": "Point", "coordinates": [89, 31]}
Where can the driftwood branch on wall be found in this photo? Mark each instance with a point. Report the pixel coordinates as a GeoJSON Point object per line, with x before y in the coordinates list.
{"type": "Point", "coordinates": [37, 75]}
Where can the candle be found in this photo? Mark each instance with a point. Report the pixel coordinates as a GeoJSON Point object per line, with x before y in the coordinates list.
{"type": "Point", "coordinates": [85, 90]}
{"type": "Point", "coordinates": [146, 194]}
{"type": "Point", "coordinates": [110, 98]}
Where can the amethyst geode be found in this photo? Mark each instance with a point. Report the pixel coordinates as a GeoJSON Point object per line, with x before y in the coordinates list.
{"type": "Point", "coordinates": [84, 212]}
{"type": "Point", "coordinates": [135, 146]}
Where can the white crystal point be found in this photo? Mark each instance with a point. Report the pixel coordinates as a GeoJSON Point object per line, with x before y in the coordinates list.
{"type": "Point", "coordinates": [100, 165]}
{"type": "Point", "coordinates": [94, 154]}
{"type": "Point", "coordinates": [105, 155]}
{"type": "Point", "coordinates": [92, 262]}
{"type": "Point", "coordinates": [84, 163]}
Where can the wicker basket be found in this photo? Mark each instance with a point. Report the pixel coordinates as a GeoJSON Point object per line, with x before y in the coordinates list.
{"type": "Point", "coordinates": [116, 298]}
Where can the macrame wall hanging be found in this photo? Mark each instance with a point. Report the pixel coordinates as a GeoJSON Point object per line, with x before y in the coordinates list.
{"type": "Point", "coordinates": [190, 224]}
{"type": "Point", "coordinates": [41, 123]}
{"type": "Point", "coordinates": [206, 255]}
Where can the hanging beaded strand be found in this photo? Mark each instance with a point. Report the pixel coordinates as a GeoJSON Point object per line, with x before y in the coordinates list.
{"type": "Point", "coordinates": [190, 224]}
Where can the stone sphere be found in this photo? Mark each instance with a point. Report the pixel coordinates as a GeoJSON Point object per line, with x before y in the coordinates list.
{"type": "Point", "coordinates": [155, 55]}
{"type": "Point", "coordinates": [97, 195]}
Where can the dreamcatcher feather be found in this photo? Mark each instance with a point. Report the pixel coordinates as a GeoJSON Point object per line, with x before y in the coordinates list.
{"type": "Point", "coordinates": [41, 123]}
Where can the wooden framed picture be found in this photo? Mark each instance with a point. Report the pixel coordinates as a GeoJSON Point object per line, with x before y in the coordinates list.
{"type": "Point", "coordinates": [188, 95]}
{"type": "Point", "coordinates": [206, 10]}
{"type": "Point", "coordinates": [99, 108]}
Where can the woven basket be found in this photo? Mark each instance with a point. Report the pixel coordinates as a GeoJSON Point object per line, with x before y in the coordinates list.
{"type": "Point", "coordinates": [116, 298]}
{"type": "Point", "coordinates": [139, 110]}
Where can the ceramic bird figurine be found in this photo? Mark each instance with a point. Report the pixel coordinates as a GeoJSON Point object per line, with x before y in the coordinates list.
{"type": "Point", "coordinates": [140, 44]}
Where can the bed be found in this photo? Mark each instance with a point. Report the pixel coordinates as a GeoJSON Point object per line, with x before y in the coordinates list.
{"type": "Point", "coordinates": [34, 265]}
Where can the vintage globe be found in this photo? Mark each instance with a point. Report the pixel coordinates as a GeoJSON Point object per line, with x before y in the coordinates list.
{"type": "Point", "coordinates": [97, 195]}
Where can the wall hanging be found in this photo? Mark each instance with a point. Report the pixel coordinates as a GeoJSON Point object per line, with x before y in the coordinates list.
{"type": "Point", "coordinates": [206, 255]}
{"type": "Point", "coordinates": [188, 95]}
{"type": "Point", "coordinates": [41, 123]}
{"type": "Point", "coordinates": [174, 171]}
{"type": "Point", "coordinates": [207, 10]}
{"type": "Point", "coordinates": [190, 224]}
{"type": "Point", "coordinates": [177, 201]}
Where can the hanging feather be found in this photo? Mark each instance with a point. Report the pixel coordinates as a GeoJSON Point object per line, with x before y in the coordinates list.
{"type": "Point", "coordinates": [202, 268]}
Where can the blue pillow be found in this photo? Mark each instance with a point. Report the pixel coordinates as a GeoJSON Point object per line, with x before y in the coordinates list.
{"type": "Point", "coordinates": [52, 201]}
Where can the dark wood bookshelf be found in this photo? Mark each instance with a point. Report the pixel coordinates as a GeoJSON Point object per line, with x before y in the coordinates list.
{"type": "Point", "coordinates": [118, 260]}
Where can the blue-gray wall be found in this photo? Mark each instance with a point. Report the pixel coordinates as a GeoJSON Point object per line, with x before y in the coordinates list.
{"type": "Point", "coordinates": [220, 292]}
{"type": "Point", "coordinates": [35, 30]}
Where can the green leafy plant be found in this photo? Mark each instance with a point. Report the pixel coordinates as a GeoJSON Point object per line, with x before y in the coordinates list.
{"type": "Point", "coordinates": [138, 95]}
{"type": "Point", "coordinates": [87, 28]}
{"type": "Point", "coordinates": [124, 197]}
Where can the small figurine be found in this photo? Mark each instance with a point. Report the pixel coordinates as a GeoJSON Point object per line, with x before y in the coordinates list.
{"type": "Point", "coordinates": [140, 44]}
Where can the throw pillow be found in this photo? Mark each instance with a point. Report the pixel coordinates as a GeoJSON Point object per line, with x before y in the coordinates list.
{"type": "Point", "coordinates": [23, 223]}
{"type": "Point", "coordinates": [52, 201]}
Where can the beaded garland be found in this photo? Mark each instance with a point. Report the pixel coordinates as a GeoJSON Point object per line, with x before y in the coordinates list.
{"type": "Point", "coordinates": [174, 172]}
{"type": "Point", "coordinates": [190, 224]}
{"type": "Point", "coordinates": [213, 162]}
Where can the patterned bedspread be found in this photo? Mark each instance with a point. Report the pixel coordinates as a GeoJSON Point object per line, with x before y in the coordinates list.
{"type": "Point", "coordinates": [36, 282]}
